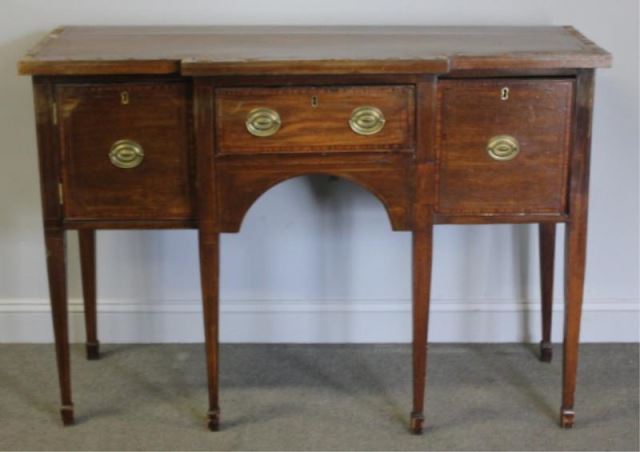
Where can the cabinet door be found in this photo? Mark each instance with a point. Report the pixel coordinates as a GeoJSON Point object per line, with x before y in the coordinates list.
{"type": "Point", "coordinates": [125, 150]}
{"type": "Point", "coordinates": [503, 145]}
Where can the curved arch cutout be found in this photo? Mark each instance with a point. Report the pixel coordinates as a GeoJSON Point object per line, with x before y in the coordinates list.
{"type": "Point", "coordinates": [239, 190]}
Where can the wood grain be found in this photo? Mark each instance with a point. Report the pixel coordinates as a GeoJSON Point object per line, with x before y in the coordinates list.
{"type": "Point", "coordinates": [92, 118]}
{"type": "Point", "coordinates": [56, 246]}
{"type": "Point", "coordinates": [492, 218]}
{"type": "Point", "coordinates": [323, 127]}
{"type": "Point", "coordinates": [537, 113]}
{"type": "Point", "coordinates": [48, 137]}
{"type": "Point", "coordinates": [575, 253]}
{"type": "Point", "coordinates": [54, 238]}
{"type": "Point", "coordinates": [190, 89]}
{"type": "Point", "coordinates": [208, 239]}
{"type": "Point", "coordinates": [422, 242]}
{"type": "Point", "coordinates": [199, 51]}
{"type": "Point", "coordinates": [422, 255]}
{"type": "Point", "coordinates": [241, 181]}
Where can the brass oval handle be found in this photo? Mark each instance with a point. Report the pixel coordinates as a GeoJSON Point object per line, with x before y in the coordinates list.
{"type": "Point", "coordinates": [503, 147]}
{"type": "Point", "coordinates": [366, 120]}
{"type": "Point", "coordinates": [263, 122]}
{"type": "Point", "coordinates": [126, 154]}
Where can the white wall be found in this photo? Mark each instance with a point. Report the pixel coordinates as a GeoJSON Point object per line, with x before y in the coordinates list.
{"type": "Point", "coordinates": [316, 260]}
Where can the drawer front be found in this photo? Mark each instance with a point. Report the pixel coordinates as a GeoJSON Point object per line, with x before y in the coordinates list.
{"type": "Point", "coordinates": [125, 150]}
{"type": "Point", "coordinates": [503, 145]}
{"type": "Point", "coordinates": [304, 119]}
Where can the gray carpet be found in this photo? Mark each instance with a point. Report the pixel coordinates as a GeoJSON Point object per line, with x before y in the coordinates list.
{"type": "Point", "coordinates": [326, 397]}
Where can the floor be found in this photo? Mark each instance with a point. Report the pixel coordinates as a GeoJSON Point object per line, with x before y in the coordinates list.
{"type": "Point", "coordinates": [318, 397]}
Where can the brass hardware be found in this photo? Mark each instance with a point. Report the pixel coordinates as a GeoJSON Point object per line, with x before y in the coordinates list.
{"type": "Point", "coordinates": [366, 120]}
{"type": "Point", "coordinates": [503, 147]}
{"type": "Point", "coordinates": [263, 122]}
{"type": "Point", "coordinates": [54, 113]}
{"type": "Point", "coordinates": [124, 97]}
{"type": "Point", "coordinates": [504, 93]}
{"type": "Point", "coordinates": [60, 193]}
{"type": "Point", "coordinates": [314, 101]}
{"type": "Point", "coordinates": [126, 154]}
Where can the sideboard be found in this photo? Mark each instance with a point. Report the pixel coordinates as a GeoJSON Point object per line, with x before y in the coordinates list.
{"type": "Point", "coordinates": [185, 127]}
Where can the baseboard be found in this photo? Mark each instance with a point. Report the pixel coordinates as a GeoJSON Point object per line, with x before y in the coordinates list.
{"type": "Point", "coordinates": [304, 321]}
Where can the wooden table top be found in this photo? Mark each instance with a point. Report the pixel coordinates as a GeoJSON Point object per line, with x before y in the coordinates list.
{"type": "Point", "coordinates": [216, 50]}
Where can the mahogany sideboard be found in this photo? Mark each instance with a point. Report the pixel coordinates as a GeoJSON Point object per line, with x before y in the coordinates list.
{"type": "Point", "coordinates": [185, 127]}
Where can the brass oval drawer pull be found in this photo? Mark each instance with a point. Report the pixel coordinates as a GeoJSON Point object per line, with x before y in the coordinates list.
{"type": "Point", "coordinates": [503, 147]}
{"type": "Point", "coordinates": [366, 120]}
{"type": "Point", "coordinates": [263, 122]}
{"type": "Point", "coordinates": [126, 154]}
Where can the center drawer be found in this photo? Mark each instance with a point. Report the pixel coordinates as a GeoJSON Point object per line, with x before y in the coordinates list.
{"type": "Point", "coordinates": [307, 119]}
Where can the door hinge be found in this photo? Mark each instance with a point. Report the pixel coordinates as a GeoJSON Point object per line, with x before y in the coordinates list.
{"type": "Point", "coordinates": [54, 113]}
{"type": "Point", "coordinates": [60, 193]}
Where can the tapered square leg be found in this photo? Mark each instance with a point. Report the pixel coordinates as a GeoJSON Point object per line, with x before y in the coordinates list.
{"type": "Point", "coordinates": [547, 234]}
{"type": "Point", "coordinates": [208, 238]}
{"type": "Point", "coordinates": [576, 243]}
{"type": "Point", "coordinates": [209, 274]}
{"type": "Point", "coordinates": [574, 283]}
{"type": "Point", "coordinates": [422, 257]}
{"type": "Point", "coordinates": [57, 273]}
{"type": "Point", "coordinates": [87, 240]}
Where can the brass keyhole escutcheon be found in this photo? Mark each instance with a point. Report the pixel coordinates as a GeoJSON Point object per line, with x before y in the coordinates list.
{"type": "Point", "coordinates": [263, 122]}
{"type": "Point", "coordinates": [126, 154]}
{"type": "Point", "coordinates": [503, 147]}
{"type": "Point", "coordinates": [367, 120]}
{"type": "Point", "coordinates": [124, 97]}
{"type": "Point", "coordinates": [314, 101]}
{"type": "Point", "coordinates": [504, 93]}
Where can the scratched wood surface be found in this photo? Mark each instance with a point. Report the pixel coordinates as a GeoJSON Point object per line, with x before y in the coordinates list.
{"type": "Point", "coordinates": [207, 50]}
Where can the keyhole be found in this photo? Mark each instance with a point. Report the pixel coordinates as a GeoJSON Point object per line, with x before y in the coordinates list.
{"type": "Point", "coordinates": [124, 97]}
{"type": "Point", "coordinates": [314, 101]}
{"type": "Point", "coordinates": [504, 93]}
